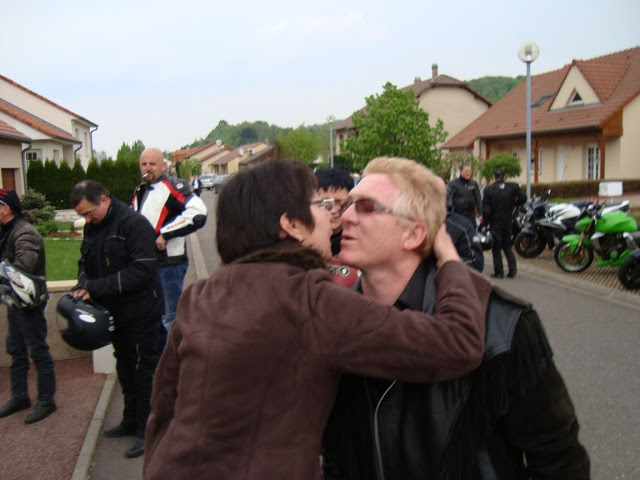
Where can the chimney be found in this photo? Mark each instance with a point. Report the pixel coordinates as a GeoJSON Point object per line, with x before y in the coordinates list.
{"type": "Point", "coordinates": [434, 70]}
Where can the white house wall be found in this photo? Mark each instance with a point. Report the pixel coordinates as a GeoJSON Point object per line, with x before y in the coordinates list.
{"type": "Point", "coordinates": [44, 144]}
{"type": "Point", "coordinates": [630, 140]}
{"type": "Point", "coordinates": [51, 114]}
{"type": "Point", "coordinates": [574, 81]}
{"type": "Point", "coordinates": [456, 107]}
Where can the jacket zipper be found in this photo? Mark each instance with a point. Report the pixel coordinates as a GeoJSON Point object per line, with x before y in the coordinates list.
{"type": "Point", "coordinates": [376, 433]}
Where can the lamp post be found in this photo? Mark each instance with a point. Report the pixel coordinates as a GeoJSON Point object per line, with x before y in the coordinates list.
{"type": "Point", "coordinates": [528, 52]}
{"type": "Point", "coordinates": [331, 118]}
{"type": "Point", "coordinates": [218, 143]}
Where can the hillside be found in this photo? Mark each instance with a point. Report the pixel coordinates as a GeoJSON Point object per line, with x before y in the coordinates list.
{"type": "Point", "coordinates": [493, 88]}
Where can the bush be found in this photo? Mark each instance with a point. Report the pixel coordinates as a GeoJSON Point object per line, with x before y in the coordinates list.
{"type": "Point", "coordinates": [37, 204]}
{"type": "Point", "coordinates": [509, 164]}
{"type": "Point", "coordinates": [581, 188]}
{"type": "Point", "coordinates": [45, 228]}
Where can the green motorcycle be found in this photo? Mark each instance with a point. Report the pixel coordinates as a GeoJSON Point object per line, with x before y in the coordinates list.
{"type": "Point", "coordinates": [607, 231]}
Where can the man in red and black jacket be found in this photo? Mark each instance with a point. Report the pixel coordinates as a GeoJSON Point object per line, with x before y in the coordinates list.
{"type": "Point", "coordinates": [174, 212]}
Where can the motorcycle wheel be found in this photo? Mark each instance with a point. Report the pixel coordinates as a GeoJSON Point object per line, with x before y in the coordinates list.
{"type": "Point", "coordinates": [575, 262]}
{"type": "Point", "coordinates": [529, 246]}
{"type": "Point", "coordinates": [629, 273]}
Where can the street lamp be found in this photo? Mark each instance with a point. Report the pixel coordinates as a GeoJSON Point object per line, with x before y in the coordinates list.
{"type": "Point", "coordinates": [331, 118]}
{"type": "Point", "coordinates": [218, 143]}
{"type": "Point", "coordinates": [528, 52]}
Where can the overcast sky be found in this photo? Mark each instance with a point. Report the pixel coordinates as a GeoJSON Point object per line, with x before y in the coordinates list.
{"type": "Point", "coordinates": [166, 72]}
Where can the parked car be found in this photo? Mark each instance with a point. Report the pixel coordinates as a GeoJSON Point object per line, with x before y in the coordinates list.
{"type": "Point", "coordinates": [207, 180]}
{"type": "Point", "coordinates": [219, 181]}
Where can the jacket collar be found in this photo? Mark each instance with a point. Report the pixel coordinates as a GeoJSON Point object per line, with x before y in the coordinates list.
{"type": "Point", "coordinates": [286, 251]}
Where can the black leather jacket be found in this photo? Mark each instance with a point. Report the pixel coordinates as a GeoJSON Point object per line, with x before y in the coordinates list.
{"type": "Point", "coordinates": [118, 264]}
{"type": "Point", "coordinates": [23, 246]}
{"type": "Point", "coordinates": [511, 419]}
{"type": "Point", "coordinates": [464, 196]}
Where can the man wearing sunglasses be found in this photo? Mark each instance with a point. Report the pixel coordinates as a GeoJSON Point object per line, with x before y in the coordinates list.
{"type": "Point", "coordinates": [511, 419]}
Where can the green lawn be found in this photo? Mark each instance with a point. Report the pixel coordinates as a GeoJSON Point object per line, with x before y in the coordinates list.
{"type": "Point", "coordinates": [62, 257]}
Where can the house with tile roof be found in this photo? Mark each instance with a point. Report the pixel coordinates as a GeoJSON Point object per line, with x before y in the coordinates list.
{"type": "Point", "coordinates": [56, 133]}
{"type": "Point", "coordinates": [442, 97]}
{"type": "Point", "coordinates": [585, 122]}
{"type": "Point", "coordinates": [232, 161]}
{"type": "Point", "coordinates": [11, 160]}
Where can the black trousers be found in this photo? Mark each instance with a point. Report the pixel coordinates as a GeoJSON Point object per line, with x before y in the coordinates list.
{"type": "Point", "coordinates": [136, 346]}
{"type": "Point", "coordinates": [26, 336]}
{"type": "Point", "coordinates": [502, 242]}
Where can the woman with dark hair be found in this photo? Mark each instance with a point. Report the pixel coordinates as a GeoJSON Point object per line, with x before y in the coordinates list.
{"type": "Point", "coordinates": [252, 363]}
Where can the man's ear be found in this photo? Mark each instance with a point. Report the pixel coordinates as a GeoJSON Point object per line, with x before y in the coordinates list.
{"type": "Point", "coordinates": [290, 228]}
{"type": "Point", "coordinates": [414, 235]}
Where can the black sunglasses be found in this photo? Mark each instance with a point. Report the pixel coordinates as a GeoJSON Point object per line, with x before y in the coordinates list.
{"type": "Point", "coordinates": [367, 206]}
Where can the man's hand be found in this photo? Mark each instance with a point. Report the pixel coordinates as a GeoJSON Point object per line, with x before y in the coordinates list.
{"type": "Point", "coordinates": [443, 247]}
{"type": "Point", "coordinates": [82, 293]}
{"type": "Point", "coordinates": [161, 243]}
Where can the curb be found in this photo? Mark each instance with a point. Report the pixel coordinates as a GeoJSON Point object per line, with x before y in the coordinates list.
{"type": "Point", "coordinates": [582, 286]}
{"type": "Point", "coordinates": [85, 458]}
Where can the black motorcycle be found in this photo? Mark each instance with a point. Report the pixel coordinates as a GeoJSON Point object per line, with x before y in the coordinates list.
{"type": "Point", "coordinates": [629, 273]}
{"type": "Point", "coordinates": [546, 224]}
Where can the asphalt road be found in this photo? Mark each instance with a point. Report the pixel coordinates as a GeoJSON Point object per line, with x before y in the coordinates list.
{"type": "Point", "coordinates": [595, 342]}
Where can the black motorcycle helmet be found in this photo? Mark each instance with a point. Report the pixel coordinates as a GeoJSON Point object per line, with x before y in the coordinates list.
{"type": "Point", "coordinates": [19, 289]}
{"type": "Point", "coordinates": [87, 325]}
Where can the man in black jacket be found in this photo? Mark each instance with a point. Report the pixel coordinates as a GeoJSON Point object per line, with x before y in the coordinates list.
{"type": "Point", "coordinates": [22, 245]}
{"type": "Point", "coordinates": [118, 270]}
{"type": "Point", "coordinates": [500, 198]}
{"type": "Point", "coordinates": [463, 195]}
{"type": "Point", "coordinates": [511, 419]}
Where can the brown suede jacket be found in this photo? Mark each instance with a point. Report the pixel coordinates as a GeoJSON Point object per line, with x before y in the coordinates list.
{"type": "Point", "coordinates": [253, 360]}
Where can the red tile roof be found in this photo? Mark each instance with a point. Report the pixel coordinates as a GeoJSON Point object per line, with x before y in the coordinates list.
{"type": "Point", "coordinates": [7, 132]}
{"type": "Point", "coordinates": [263, 155]}
{"type": "Point", "coordinates": [235, 153]}
{"type": "Point", "coordinates": [37, 123]}
{"type": "Point", "coordinates": [8, 80]}
{"type": "Point", "coordinates": [615, 78]}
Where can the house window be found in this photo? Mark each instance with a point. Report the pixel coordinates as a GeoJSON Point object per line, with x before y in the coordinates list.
{"type": "Point", "coordinates": [33, 155]}
{"type": "Point", "coordinates": [593, 163]}
{"type": "Point", "coordinates": [56, 156]}
{"type": "Point", "coordinates": [78, 134]}
{"type": "Point", "coordinates": [575, 98]}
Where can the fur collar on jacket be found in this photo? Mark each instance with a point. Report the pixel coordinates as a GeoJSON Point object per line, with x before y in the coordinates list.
{"type": "Point", "coordinates": [288, 252]}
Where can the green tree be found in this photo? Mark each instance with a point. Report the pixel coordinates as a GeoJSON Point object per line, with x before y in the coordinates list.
{"type": "Point", "coordinates": [35, 174]}
{"type": "Point", "coordinates": [501, 161]}
{"type": "Point", "coordinates": [37, 204]}
{"type": "Point", "coordinates": [300, 145]}
{"type": "Point", "coordinates": [77, 172]}
{"type": "Point", "coordinates": [450, 165]}
{"type": "Point", "coordinates": [393, 124]}
{"type": "Point", "coordinates": [190, 167]}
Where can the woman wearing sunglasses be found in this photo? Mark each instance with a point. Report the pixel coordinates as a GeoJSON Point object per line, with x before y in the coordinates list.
{"type": "Point", "coordinates": [252, 363]}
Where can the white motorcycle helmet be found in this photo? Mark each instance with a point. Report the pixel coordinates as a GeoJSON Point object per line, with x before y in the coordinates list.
{"type": "Point", "coordinates": [19, 289]}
